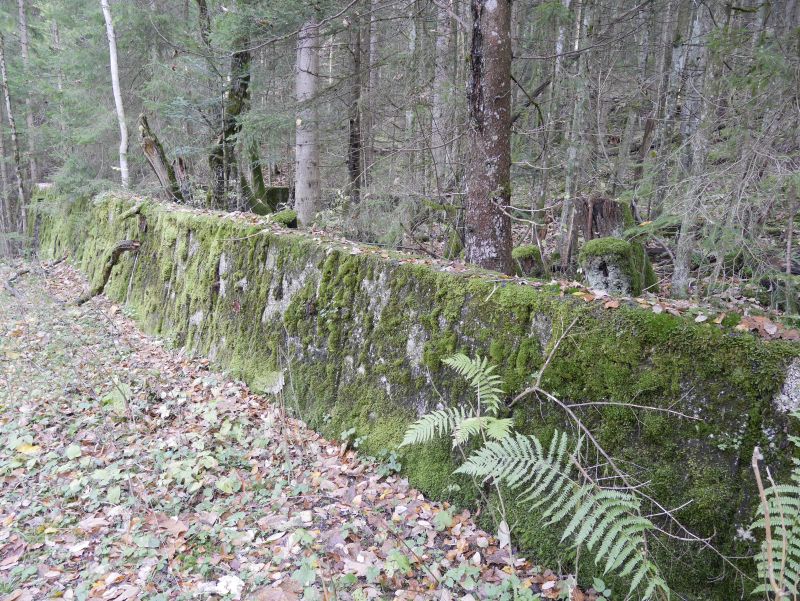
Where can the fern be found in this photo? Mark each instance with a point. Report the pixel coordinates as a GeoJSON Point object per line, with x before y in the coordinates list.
{"type": "Point", "coordinates": [463, 423]}
{"type": "Point", "coordinates": [437, 423]}
{"type": "Point", "coordinates": [607, 522]}
{"type": "Point", "coordinates": [481, 376]}
{"type": "Point", "coordinates": [783, 503]}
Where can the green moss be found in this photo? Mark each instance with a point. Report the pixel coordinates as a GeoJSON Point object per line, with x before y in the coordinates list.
{"type": "Point", "coordinates": [361, 341]}
{"type": "Point", "coordinates": [631, 257]}
{"type": "Point", "coordinates": [528, 260]}
{"type": "Point", "coordinates": [287, 218]}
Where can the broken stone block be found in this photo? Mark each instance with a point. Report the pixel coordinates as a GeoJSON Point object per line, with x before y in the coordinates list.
{"type": "Point", "coordinates": [616, 266]}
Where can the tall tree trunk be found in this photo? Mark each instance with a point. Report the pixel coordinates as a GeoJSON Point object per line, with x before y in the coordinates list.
{"type": "Point", "coordinates": [56, 36]}
{"type": "Point", "coordinates": [354, 147]}
{"type": "Point", "coordinates": [411, 91]}
{"type": "Point", "coordinates": [236, 100]}
{"type": "Point", "coordinates": [635, 111]}
{"type": "Point", "coordinates": [5, 202]}
{"type": "Point", "coordinates": [19, 220]}
{"type": "Point", "coordinates": [676, 76]}
{"type": "Point", "coordinates": [488, 226]}
{"type": "Point", "coordinates": [693, 157]}
{"type": "Point", "coordinates": [576, 151]}
{"type": "Point", "coordinates": [441, 104]}
{"type": "Point", "coordinates": [372, 81]}
{"type": "Point", "coordinates": [307, 183]}
{"type": "Point", "coordinates": [26, 62]}
{"type": "Point", "coordinates": [123, 127]}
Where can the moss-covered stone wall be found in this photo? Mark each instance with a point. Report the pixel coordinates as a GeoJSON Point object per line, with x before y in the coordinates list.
{"type": "Point", "coordinates": [359, 335]}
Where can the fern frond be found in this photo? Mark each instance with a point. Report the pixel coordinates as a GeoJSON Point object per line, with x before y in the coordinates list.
{"type": "Point", "coordinates": [498, 428]}
{"type": "Point", "coordinates": [468, 428]}
{"type": "Point", "coordinates": [607, 521]}
{"type": "Point", "coordinates": [486, 384]}
{"type": "Point", "coordinates": [436, 423]}
{"type": "Point", "coordinates": [472, 426]}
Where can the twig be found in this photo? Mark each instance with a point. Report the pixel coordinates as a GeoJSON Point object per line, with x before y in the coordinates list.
{"type": "Point", "coordinates": [670, 411]}
{"type": "Point", "coordinates": [767, 525]}
{"type": "Point", "coordinates": [549, 358]}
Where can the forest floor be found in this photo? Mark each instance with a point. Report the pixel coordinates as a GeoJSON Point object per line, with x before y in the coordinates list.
{"type": "Point", "coordinates": [130, 471]}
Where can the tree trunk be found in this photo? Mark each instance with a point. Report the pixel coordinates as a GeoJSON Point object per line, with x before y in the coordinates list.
{"type": "Point", "coordinates": [123, 127]}
{"type": "Point", "coordinates": [576, 153]}
{"type": "Point", "coordinates": [26, 62]}
{"type": "Point", "coordinates": [675, 77]}
{"type": "Point", "coordinates": [59, 76]}
{"type": "Point", "coordinates": [488, 226]}
{"type": "Point", "coordinates": [5, 201]}
{"type": "Point", "coordinates": [19, 221]}
{"type": "Point", "coordinates": [222, 159]}
{"type": "Point", "coordinates": [634, 112]}
{"type": "Point", "coordinates": [693, 157]}
{"type": "Point", "coordinates": [354, 118]}
{"type": "Point", "coordinates": [372, 79]}
{"type": "Point", "coordinates": [307, 183]}
{"type": "Point", "coordinates": [441, 105]}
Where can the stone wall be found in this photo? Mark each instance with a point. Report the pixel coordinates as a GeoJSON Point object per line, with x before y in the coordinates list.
{"type": "Point", "coordinates": [355, 336]}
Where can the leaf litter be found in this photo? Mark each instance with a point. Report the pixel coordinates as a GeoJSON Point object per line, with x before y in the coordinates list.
{"type": "Point", "coordinates": [129, 471]}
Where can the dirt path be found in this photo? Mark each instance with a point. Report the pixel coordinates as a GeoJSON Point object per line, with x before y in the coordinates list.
{"type": "Point", "coordinates": [128, 471]}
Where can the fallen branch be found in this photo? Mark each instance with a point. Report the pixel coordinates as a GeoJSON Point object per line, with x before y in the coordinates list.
{"type": "Point", "coordinates": [111, 260]}
{"type": "Point", "coordinates": [17, 275]}
{"type": "Point", "coordinates": [51, 264]}
{"type": "Point", "coordinates": [134, 210]}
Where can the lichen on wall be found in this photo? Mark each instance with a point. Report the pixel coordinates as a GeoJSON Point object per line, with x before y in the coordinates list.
{"type": "Point", "coordinates": [358, 336]}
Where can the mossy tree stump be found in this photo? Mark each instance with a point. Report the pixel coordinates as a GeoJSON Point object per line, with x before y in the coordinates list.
{"type": "Point", "coordinates": [528, 260]}
{"type": "Point", "coordinates": [616, 266]}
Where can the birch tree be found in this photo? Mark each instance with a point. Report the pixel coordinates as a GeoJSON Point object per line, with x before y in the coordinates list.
{"type": "Point", "coordinates": [123, 128]}
{"type": "Point", "coordinates": [307, 183]}
{"type": "Point", "coordinates": [488, 189]}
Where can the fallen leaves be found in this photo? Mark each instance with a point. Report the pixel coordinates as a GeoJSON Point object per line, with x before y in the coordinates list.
{"type": "Point", "coordinates": [139, 472]}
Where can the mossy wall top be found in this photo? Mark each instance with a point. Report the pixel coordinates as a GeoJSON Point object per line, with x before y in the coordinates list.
{"type": "Point", "coordinates": [360, 334]}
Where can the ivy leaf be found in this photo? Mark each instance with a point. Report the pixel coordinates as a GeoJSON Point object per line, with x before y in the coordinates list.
{"type": "Point", "coordinates": [229, 484]}
{"type": "Point", "coordinates": [305, 575]}
{"type": "Point", "coordinates": [443, 520]}
{"type": "Point", "coordinates": [113, 495]}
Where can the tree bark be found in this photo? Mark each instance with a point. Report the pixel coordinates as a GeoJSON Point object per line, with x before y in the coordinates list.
{"type": "Point", "coordinates": [222, 159]}
{"type": "Point", "coordinates": [123, 127]}
{"type": "Point", "coordinates": [354, 145]}
{"type": "Point", "coordinates": [19, 221]}
{"type": "Point", "coordinates": [693, 157]}
{"type": "Point", "coordinates": [307, 182]}
{"type": "Point", "coordinates": [488, 226]}
{"type": "Point", "coordinates": [576, 153]}
{"type": "Point", "coordinates": [372, 78]}
{"type": "Point", "coordinates": [26, 62]}
{"type": "Point", "coordinates": [440, 105]}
